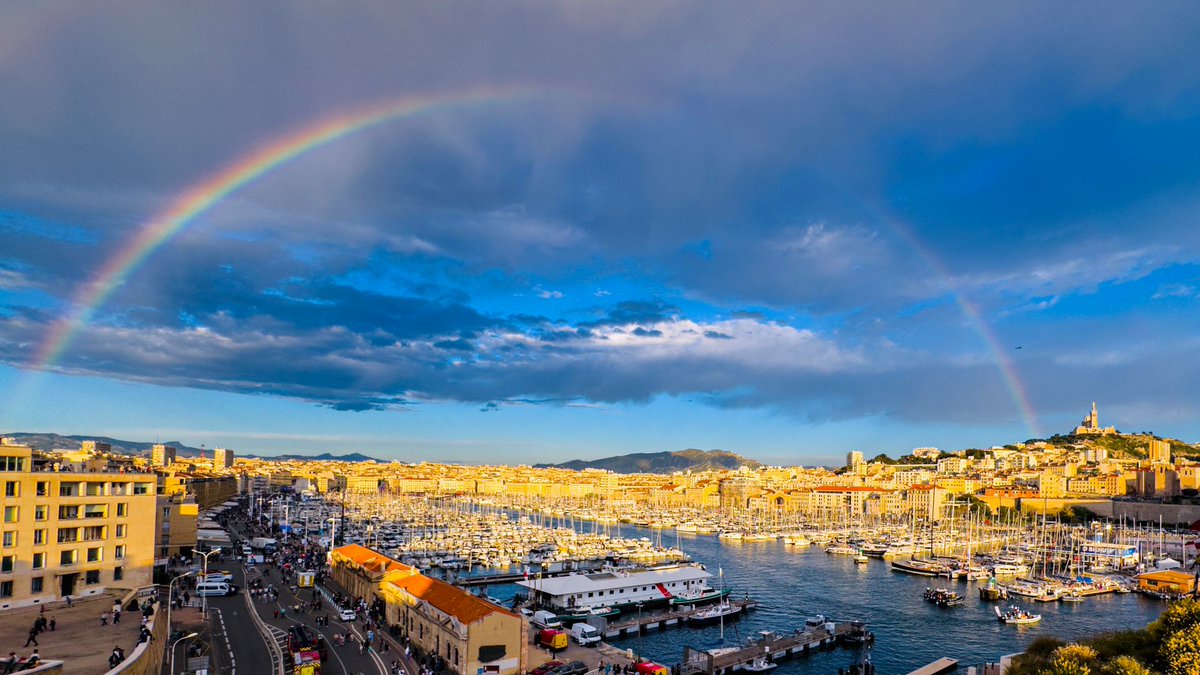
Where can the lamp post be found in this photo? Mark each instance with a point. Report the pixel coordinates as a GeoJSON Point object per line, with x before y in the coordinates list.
{"type": "Point", "coordinates": [170, 586]}
{"type": "Point", "coordinates": [175, 644]}
{"type": "Point", "coordinates": [204, 596]}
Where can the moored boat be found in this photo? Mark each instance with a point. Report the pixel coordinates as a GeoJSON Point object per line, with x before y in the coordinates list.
{"type": "Point", "coordinates": [720, 612]}
{"type": "Point", "coordinates": [925, 568]}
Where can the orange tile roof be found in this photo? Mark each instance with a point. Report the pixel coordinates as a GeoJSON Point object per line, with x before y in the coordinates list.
{"type": "Point", "coordinates": [456, 602]}
{"type": "Point", "coordinates": [370, 560]}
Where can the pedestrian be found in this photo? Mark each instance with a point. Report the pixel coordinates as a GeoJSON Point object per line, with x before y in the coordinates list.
{"type": "Point", "coordinates": [32, 638]}
{"type": "Point", "coordinates": [114, 658]}
{"type": "Point", "coordinates": [10, 664]}
{"type": "Point", "coordinates": [275, 612]}
{"type": "Point", "coordinates": [104, 618]}
{"type": "Point", "coordinates": [116, 616]}
{"type": "Point", "coordinates": [53, 622]}
{"type": "Point", "coordinates": [32, 661]}
{"type": "Point", "coordinates": [69, 603]}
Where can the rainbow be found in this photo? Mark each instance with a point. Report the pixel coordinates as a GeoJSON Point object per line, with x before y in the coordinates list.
{"type": "Point", "coordinates": [203, 196]}
{"type": "Point", "coordinates": [1004, 365]}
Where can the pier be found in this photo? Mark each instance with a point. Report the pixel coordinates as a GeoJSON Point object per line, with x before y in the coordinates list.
{"type": "Point", "coordinates": [942, 665]}
{"type": "Point", "coordinates": [772, 646]}
{"type": "Point", "coordinates": [651, 621]}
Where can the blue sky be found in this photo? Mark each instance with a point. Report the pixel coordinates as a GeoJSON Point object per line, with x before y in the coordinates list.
{"type": "Point", "coordinates": [751, 228]}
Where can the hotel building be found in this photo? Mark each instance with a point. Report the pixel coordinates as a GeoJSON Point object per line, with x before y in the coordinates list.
{"type": "Point", "coordinates": [71, 533]}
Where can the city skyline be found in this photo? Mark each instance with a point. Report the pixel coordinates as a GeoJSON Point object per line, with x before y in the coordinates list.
{"type": "Point", "coordinates": [583, 231]}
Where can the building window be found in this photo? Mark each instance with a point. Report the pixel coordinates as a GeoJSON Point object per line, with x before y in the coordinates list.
{"type": "Point", "coordinates": [11, 488]}
{"type": "Point", "coordinates": [10, 514]}
{"type": "Point", "coordinates": [68, 512]}
{"type": "Point", "coordinates": [40, 512]}
{"type": "Point", "coordinates": [35, 585]}
{"type": "Point", "coordinates": [122, 509]}
{"type": "Point", "coordinates": [120, 530]}
{"type": "Point", "coordinates": [39, 561]}
{"type": "Point", "coordinates": [120, 552]}
{"type": "Point", "coordinates": [12, 463]}
{"type": "Point", "coordinates": [39, 537]}
{"type": "Point", "coordinates": [6, 589]}
{"type": "Point", "coordinates": [68, 489]}
{"type": "Point", "coordinates": [43, 488]}
{"type": "Point", "coordinates": [141, 488]}
{"type": "Point", "coordinates": [93, 533]}
{"type": "Point", "coordinates": [68, 534]}
{"type": "Point", "coordinates": [95, 511]}
{"type": "Point", "coordinates": [6, 563]}
{"type": "Point", "coordinates": [10, 539]}
{"type": "Point", "coordinates": [91, 577]}
{"type": "Point", "coordinates": [93, 554]}
{"type": "Point", "coordinates": [95, 489]}
{"type": "Point", "coordinates": [118, 573]}
{"type": "Point", "coordinates": [68, 557]}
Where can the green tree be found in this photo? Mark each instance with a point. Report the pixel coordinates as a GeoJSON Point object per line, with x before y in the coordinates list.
{"type": "Point", "coordinates": [1179, 616]}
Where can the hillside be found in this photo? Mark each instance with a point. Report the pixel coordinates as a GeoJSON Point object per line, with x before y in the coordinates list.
{"type": "Point", "coordinates": [660, 462]}
{"type": "Point", "coordinates": [1126, 446]}
{"type": "Point", "coordinates": [47, 442]}
{"type": "Point", "coordinates": [323, 457]}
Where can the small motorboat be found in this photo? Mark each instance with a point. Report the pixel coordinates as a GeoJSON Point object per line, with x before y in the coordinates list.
{"type": "Point", "coordinates": [760, 665]}
{"type": "Point", "coordinates": [1016, 615]}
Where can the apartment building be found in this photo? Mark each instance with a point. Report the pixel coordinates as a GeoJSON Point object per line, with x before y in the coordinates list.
{"type": "Point", "coordinates": [222, 458]}
{"type": "Point", "coordinates": [162, 455]}
{"type": "Point", "coordinates": [71, 533]}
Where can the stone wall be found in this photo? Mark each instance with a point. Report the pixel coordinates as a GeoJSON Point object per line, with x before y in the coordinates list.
{"type": "Point", "coordinates": [147, 657]}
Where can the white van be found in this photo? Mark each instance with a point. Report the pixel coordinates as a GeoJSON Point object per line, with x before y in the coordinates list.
{"type": "Point", "coordinates": [584, 633]}
{"type": "Point", "coordinates": [545, 620]}
{"type": "Point", "coordinates": [206, 588]}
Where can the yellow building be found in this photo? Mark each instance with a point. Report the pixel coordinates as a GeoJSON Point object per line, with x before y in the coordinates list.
{"type": "Point", "coordinates": [1167, 581]}
{"type": "Point", "coordinates": [468, 633]}
{"type": "Point", "coordinates": [70, 533]}
{"type": "Point", "coordinates": [175, 518]}
{"type": "Point", "coordinates": [162, 455]}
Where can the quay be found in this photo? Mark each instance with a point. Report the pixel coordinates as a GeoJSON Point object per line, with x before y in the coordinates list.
{"type": "Point", "coordinates": [509, 578]}
{"type": "Point", "coordinates": [650, 621]}
{"type": "Point", "coordinates": [942, 665]}
{"type": "Point", "coordinates": [772, 646]}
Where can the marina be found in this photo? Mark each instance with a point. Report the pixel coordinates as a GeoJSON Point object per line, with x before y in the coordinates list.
{"type": "Point", "coordinates": [784, 579]}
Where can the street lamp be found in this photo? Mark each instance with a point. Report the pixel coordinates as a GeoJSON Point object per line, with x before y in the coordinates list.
{"type": "Point", "coordinates": [169, 596]}
{"type": "Point", "coordinates": [204, 596]}
{"type": "Point", "coordinates": [175, 644]}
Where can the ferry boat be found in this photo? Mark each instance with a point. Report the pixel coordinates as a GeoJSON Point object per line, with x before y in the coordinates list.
{"type": "Point", "coordinates": [1016, 615]}
{"type": "Point", "coordinates": [619, 589]}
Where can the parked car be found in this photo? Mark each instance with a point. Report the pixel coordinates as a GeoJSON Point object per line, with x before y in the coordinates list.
{"type": "Point", "coordinates": [572, 668]}
{"type": "Point", "coordinates": [546, 667]}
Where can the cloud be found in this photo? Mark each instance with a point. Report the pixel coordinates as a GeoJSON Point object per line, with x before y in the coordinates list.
{"type": "Point", "coordinates": [1175, 291]}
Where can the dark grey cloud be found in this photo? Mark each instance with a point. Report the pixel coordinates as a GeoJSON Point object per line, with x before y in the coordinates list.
{"type": "Point", "coordinates": [841, 166]}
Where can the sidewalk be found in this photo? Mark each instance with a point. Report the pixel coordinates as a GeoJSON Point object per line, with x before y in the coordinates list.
{"type": "Point", "coordinates": [79, 641]}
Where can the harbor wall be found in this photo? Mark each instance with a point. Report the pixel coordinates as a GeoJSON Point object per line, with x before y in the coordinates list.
{"type": "Point", "coordinates": [1101, 507]}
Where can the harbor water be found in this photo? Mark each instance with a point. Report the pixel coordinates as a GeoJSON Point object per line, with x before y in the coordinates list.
{"type": "Point", "coordinates": [794, 583]}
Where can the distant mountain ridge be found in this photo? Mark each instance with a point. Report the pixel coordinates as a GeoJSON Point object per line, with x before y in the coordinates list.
{"type": "Point", "coordinates": [47, 442]}
{"type": "Point", "coordinates": [660, 462]}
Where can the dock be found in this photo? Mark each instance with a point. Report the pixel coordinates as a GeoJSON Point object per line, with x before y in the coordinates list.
{"type": "Point", "coordinates": [942, 665]}
{"type": "Point", "coordinates": [772, 646]}
{"type": "Point", "coordinates": [635, 624]}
